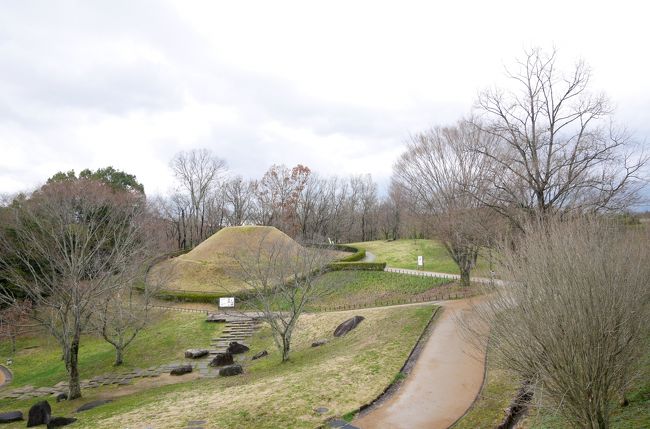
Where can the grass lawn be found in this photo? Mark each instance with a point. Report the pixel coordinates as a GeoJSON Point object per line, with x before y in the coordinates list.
{"type": "Point", "coordinates": [341, 376]}
{"type": "Point", "coordinates": [500, 388]}
{"type": "Point", "coordinates": [374, 288]}
{"type": "Point", "coordinates": [404, 254]}
{"type": "Point", "coordinates": [38, 359]}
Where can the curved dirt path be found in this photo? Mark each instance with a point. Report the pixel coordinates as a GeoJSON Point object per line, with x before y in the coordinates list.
{"type": "Point", "coordinates": [443, 384]}
{"type": "Point", "coordinates": [5, 376]}
{"type": "Point", "coordinates": [370, 257]}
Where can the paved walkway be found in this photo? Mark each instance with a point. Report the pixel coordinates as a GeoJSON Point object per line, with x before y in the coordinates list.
{"type": "Point", "coordinates": [5, 376]}
{"type": "Point", "coordinates": [438, 275]}
{"type": "Point", "coordinates": [443, 384]}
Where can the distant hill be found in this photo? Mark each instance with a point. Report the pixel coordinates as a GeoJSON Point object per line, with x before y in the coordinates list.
{"type": "Point", "coordinates": [209, 266]}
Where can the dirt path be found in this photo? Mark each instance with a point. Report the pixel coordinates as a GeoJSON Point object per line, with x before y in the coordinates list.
{"type": "Point", "coordinates": [5, 376]}
{"type": "Point", "coordinates": [370, 257]}
{"type": "Point", "coordinates": [443, 384]}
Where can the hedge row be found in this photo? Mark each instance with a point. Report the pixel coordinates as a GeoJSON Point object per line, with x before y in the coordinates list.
{"type": "Point", "coordinates": [357, 256]}
{"type": "Point", "coordinates": [201, 297]}
{"type": "Point", "coordinates": [357, 266]}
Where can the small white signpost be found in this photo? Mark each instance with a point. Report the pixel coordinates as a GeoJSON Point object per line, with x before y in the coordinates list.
{"type": "Point", "coordinates": [227, 302]}
{"type": "Point", "coordinates": [420, 261]}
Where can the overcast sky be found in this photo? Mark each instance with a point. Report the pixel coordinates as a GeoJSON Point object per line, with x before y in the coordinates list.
{"type": "Point", "coordinates": [337, 86]}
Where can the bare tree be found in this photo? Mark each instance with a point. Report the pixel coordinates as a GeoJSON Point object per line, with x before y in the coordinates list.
{"type": "Point", "coordinates": [14, 320]}
{"type": "Point", "coordinates": [441, 176]}
{"type": "Point", "coordinates": [239, 196]}
{"type": "Point", "coordinates": [573, 317]}
{"type": "Point", "coordinates": [199, 173]}
{"type": "Point", "coordinates": [555, 148]}
{"type": "Point", "coordinates": [277, 195]}
{"type": "Point", "coordinates": [67, 242]}
{"type": "Point", "coordinates": [121, 315]}
{"type": "Point", "coordinates": [282, 277]}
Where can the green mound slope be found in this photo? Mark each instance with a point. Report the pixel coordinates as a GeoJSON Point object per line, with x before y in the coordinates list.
{"type": "Point", "coordinates": [212, 265]}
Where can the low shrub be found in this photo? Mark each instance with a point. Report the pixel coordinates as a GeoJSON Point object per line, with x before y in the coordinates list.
{"type": "Point", "coordinates": [357, 266]}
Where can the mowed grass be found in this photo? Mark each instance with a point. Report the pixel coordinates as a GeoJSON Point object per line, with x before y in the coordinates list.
{"type": "Point", "coordinates": [372, 288]}
{"type": "Point", "coordinates": [38, 358]}
{"type": "Point", "coordinates": [342, 375]}
{"type": "Point", "coordinates": [404, 254]}
{"type": "Point", "coordinates": [500, 388]}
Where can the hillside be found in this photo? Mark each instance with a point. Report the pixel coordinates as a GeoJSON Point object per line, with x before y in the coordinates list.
{"type": "Point", "coordinates": [212, 265]}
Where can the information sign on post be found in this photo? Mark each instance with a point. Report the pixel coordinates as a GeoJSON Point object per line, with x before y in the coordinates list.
{"type": "Point", "coordinates": [420, 261]}
{"type": "Point", "coordinates": [227, 302]}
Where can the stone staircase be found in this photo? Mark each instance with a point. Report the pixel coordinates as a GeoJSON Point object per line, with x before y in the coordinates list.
{"type": "Point", "coordinates": [238, 329]}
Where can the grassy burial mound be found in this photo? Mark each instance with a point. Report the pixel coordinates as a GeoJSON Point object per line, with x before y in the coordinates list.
{"type": "Point", "coordinates": [212, 265]}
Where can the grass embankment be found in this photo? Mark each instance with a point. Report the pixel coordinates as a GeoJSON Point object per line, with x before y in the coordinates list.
{"type": "Point", "coordinates": [370, 289]}
{"type": "Point", "coordinates": [38, 358]}
{"type": "Point", "coordinates": [500, 388]}
{"type": "Point", "coordinates": [404, 254]}
{"type": "Point", "coordinates": [341, 376]}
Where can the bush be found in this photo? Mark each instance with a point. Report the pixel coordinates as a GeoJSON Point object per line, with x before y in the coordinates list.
{"type": "Point", "coordinates": [357, 266]}
{"type": "Point", "coordinates": [357, 256]}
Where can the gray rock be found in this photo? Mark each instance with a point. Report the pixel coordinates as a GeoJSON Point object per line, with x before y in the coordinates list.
{"type": "Point", "coordinates": [196, 353]}
{"type": "Point", "coordinates": [11, 416]}
{"type": "Point", "coordinates": [231, 370]}
{"type": "Point", "coordinates": [222, 359]}
{"type": "Point", "coordinates": [237, 348]}
{"type": "Point", "coordinates": [39, 414]}
{"type": "Point", "coordinates": [181, 370]}
{"type": "Point", "coordinates": [92, 404]}
{"type": "Point", "coordinates": [347, 326]}
{"type": "Point", "coordinates": [261, 354]}
{"type": "Point", "coordinates": [319, 343]}
{"type": "Point", "coordinates": [216, 318]}
{"type": "Point", "coordinates": [61, 397]}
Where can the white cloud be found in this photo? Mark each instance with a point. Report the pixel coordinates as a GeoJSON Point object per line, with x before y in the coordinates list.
{"type": "Point", "coordinates": [337, 85]}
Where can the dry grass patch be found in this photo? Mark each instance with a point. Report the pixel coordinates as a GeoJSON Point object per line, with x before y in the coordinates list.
{"type": "Point", "coordinates": [341, 376]}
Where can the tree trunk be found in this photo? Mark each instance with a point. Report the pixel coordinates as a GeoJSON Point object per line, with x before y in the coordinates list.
{"type": "Point", "coordinates": [285, 349]}
{"type": "Point", "coordinates": [464, 277]}
{"type": "Point", "coordinates": [74, 388]}
{"type": "Point", "coordinates": [118, 356]}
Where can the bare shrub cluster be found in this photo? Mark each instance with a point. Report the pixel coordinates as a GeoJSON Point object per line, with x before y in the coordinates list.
{"type": "Point", "coordinates": [573, 315]}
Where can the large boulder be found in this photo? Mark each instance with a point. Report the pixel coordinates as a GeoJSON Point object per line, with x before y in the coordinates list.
{"type": "Point", "coordinates": [222, 359]}
{"type": "Point", "coordinates": [237, 348]}
{"type": "Point", "coordinates": [260, 355]}
{"type": "Point", "coordinates": [196, 353]}
{"type": "Point", "coordinates": [181, 370]}
{"type": "Point", "coordinates": [92, 404]}
{"type": "Point", "coordinates": [57, 422]}
{"type": "Point", "coordinates": [39, 414]}
{"type": "Point", "coordinates": [347, 326]}
{"type": "Point", "coordinates": [231, 370]}
{"type": "Point", "coordinates": [11, 416]}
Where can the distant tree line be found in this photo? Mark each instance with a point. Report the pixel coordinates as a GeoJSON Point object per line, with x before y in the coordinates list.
{"type": "Point", "coordinates": [296, 200]}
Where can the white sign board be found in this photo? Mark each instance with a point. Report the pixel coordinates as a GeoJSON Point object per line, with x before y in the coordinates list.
{"type": "Point", "coordinates": [420, 261]}
{"type": "Point", "coordinates": [226, 302]}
